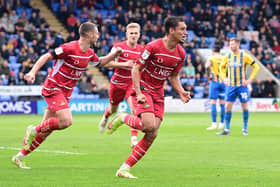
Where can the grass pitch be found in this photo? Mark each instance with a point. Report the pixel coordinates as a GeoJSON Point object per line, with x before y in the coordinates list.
{"type": "Point", "coordinates": [184, 154]}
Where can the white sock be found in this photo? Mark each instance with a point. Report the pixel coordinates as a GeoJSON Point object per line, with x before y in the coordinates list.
{"type": "Point", "coordinates": [134, 138]}
{"type": "Point", "coordinates": [125, 166]}
{"type": "Point", "coordinates": [214, 124]}
{"type": "Point", "coordinates": [122, 116]}
{"type": "Point", "coordinates": [34, 130]}
{"type": "Point", "coordinates": [20, 155]}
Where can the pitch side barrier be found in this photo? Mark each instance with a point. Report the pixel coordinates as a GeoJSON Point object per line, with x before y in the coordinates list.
{"type": "Point", "coordinates": [98, 106]}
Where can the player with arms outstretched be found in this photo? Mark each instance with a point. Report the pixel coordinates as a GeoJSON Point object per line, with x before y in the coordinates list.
{"type": "Point", "coordinates": [233, 73]}
{"type": "Point", "coordinates": [217, 89]}
{"type": "Point", "coordinates": [121, 82]}
{"type": "Point", "coordinates": [71, 60]}
{"type": "Point", "coordinates": [160, 59]}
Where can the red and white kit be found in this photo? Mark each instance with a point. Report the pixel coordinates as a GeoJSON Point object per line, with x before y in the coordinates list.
{"type": "Point", "coordinates": [71, 62]}
{"type": "Point", "coordinates": [121, 81]}
{"type": "Point", "coordinates": [158, 63]}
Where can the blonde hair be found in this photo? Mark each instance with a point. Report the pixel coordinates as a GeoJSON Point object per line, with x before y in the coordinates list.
{"type": "Point", "coordinates": [236, 40]}
{"type": "Point", "coordinates": [133, 25]}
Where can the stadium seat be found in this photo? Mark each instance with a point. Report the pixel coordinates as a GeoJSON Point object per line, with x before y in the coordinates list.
{"type": "Point", "coordinates": [191, 34]}
{"type": "Point", "coordinates": [55, 7]}
{"type": "Point", "coordinates": [12, 59]}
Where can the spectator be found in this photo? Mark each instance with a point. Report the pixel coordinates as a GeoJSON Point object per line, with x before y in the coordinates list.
{"type": "Point", "coordinates": [269, 88]}
{"type": "Point", "coordinates": [257, 88]}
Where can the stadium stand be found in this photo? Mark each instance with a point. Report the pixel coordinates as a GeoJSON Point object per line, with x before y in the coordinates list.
{"type": "Point", "coordinates": [25, 33]}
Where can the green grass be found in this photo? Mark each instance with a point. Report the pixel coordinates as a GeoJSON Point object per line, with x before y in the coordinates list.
{"type": "Point", "coordinates": [184, 154]}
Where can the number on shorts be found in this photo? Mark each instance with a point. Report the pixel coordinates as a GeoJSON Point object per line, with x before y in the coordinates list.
{"type": "Point", "coordinates": [244, 95]}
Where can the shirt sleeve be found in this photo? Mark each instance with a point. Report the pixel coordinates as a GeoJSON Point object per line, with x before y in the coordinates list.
{"type": "Point", "coordinates": [145, 56]}
{"type": "Point", "coordinates": [94, 60]}
{"type": "Point", "coordinates": [59, 52]}
{"type": "Point", "coordinates": [223, 67]}
{"type": "Point", "coordinates": [112, 51]}
{"type": "Point", "coordinates": [249, 60]}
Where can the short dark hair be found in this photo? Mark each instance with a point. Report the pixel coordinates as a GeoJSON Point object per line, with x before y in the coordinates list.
{"type": "Point", "coordinates": [172, 22]}
{"type": "Point", "coordinates": [86, 28]}
{"type": "Point", "coordinates": [216, 49]}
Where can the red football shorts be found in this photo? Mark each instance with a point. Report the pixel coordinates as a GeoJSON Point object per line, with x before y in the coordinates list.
{"type": "Point", "coordinates": [118, 93]}
{"type": "Point", "coordinates": [154, 105]}
{"type": "Point", "coordinates": [57, 101]}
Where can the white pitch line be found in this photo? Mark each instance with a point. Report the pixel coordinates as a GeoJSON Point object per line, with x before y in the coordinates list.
{"type": "Point", "coordinates": [45, 151]}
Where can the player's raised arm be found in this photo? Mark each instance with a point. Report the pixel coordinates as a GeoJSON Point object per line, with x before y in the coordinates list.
{"type": "Point", "coordinates": [113, 64]}
{"type": "Point", "coordinates": [110, 57]}
{"type": "Point", "coordinates": [30, 76]}
{"type": "Point", "coordinates": [176, 84]}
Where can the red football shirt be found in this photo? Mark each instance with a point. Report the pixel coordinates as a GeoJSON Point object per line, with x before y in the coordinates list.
{"type": "Point", "coordinates": [122, 76]}
{"type": "Point", "coordinates": [158, 63]}
{"type": "Point", "coordinates": [71, 62]}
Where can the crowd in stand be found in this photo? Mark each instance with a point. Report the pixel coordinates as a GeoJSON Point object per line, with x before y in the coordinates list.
{"type": "Point", "coordinates": [25, 34]}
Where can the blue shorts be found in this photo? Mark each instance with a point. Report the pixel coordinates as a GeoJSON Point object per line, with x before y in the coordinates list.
{"type": "Point", "coordinates": [241, 91]}
{"type": "Point", "coordinates": [217, 90]}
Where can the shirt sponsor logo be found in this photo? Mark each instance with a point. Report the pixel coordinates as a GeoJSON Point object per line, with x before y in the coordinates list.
{"type": "Point", "coordinates": [235, 65]}
{"type": "Point", "coordinates": [76, 73]}
{"type": "Point", "coordinates": [162, 72]}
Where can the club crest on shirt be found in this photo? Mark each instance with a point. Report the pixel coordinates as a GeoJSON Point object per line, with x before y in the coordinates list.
{"type": "Point", "coordinates": [125, 54]}
{"type": "Point", "coordinates": [76, 62]}
{"type": "Point", "coordinates": [159, 60]}
{"type": "Point", "coordinates": [146, 54]}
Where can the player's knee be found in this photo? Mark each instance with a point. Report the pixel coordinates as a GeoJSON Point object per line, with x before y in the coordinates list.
{"type": "Point", "coordinates": [64, 123]}
{"type": "Point", "coordinates": [152, 135]}
{"type": "Point", "coordinates": [149, 128]}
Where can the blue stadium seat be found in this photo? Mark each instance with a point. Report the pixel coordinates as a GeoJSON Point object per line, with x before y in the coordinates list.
{"type": "Point", "coordinates": [19, 10]}
{"type": "Point", "coordinates": [55, 7]}
{"type": "Point", "coordinates": [78, 12]}
{"type": "Point", "coordinates": [191, 34]}
{"type": "Point", "coordinates": [28, 12]}
{"type": "Point", "coordinates": [211, 41]}
{"type": "Point", "coordinates": [12, 59]}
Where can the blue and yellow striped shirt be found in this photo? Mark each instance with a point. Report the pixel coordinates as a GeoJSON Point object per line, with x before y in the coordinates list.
{"type": "Point", "coordinates": [216, 61]}
{"type": "Point", "coordinates": [234, 67]}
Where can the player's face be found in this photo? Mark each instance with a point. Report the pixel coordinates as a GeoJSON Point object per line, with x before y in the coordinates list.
{"type": "Point", "coordinates": [180, 32]}
{"type": "Point", "coordinates": [132, 35]}
{"type": "Point", "coordinates": [93, 37]}
{"type": "Point", "coordinates": [234, 46]}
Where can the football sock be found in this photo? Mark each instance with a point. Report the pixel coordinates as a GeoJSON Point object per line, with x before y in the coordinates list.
{"type": "Point", "coordinates": [35, 143]}
{"type": "Point", "coordinates": [213, 112]}
{"type": "Point", "coordinates": [227, 119]}
{"type": "Point", "coordinates": [245, 119]}
{"type": "Point", "coordinates": [124, 166]}
{"type": "Point", "coordinates": [139, 151]}
{"type": "Point", "coordinates": [134, 132]}
{"type": "Point", "coordinates": [222, 113]}
{"type": "Point", "coordinates": [133, 121]}
{"type": "Point", "coordinates": [48, 125]}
